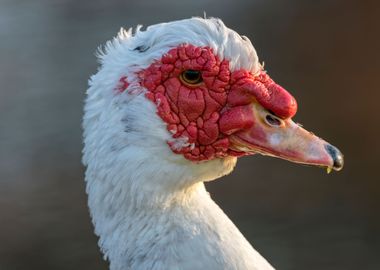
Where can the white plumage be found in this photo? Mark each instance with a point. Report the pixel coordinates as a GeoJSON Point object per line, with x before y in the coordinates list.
{"type": "Point", "coordinates": [149, 205]}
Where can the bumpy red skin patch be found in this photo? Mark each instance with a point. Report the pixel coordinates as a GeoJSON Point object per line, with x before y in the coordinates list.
{"type": "Point", "coordinates": [123, 84]}
{"type": "Point", "coordinates": [206, 114]}
{"type": "Point", "coordinates": [246, 88]}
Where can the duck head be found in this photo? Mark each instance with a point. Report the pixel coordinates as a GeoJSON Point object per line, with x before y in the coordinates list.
{"type": "Point", "coordinates": [193, 92]}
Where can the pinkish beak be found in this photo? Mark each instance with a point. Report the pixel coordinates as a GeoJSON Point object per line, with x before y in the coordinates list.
{"type": "Point", "coordinates": [270, 135]}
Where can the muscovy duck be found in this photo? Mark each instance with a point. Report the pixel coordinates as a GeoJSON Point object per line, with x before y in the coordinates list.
{"type": "Point", "coordinates": [170, 108]}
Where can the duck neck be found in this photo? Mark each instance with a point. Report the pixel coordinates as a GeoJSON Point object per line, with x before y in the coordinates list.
{"type": "Point", "coordinates": [140, 226]}
{"type": "Point", "coordinates": [133, 227]}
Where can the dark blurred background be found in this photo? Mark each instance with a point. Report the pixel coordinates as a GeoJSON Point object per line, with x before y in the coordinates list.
{"type": "Point", "coordinates": [325, 52]}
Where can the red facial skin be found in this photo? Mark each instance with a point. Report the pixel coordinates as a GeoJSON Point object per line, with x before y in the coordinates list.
{"type": "Point", "coordinates": [123, 84]}
{"type": "Point", "coordinates": [208, 113]}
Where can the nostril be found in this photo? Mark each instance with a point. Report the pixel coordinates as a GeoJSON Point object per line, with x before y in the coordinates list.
{"type": "Point", "coordinates": [336, 156]}
{"type": "Point", "coordinates": [272, 121]}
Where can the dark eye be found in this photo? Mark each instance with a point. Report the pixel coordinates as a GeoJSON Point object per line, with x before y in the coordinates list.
{"type": "Point", "coordinates": [272, 120]}
{"type": "Point", "coordinates": [192, 77]}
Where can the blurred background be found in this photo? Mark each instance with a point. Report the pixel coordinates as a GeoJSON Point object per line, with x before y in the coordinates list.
{"type": "Point", "coordinates": [325, 52]}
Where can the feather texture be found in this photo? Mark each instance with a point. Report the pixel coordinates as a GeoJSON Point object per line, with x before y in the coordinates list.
{"type": "Point", "coordinates": [149, 206]}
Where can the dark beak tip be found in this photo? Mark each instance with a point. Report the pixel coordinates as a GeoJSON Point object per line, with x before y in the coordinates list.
{"type": "Point", "coordinates": [338, 163]}
{"type": "Point", "coordinates": [336, 156]}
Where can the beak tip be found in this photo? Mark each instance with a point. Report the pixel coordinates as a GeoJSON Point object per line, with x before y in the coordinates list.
{"type": "Point", "coordinates": [338, 163]}
{"type": "Point", "coordinates": [336, 155]}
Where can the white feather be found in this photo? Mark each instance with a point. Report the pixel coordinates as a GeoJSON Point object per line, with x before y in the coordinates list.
{"type": "Point", "coordinates": [149, 206]}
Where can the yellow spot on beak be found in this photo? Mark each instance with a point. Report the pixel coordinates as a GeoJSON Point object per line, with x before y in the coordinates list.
{"type": "Point", "coordinates": [329, 169]}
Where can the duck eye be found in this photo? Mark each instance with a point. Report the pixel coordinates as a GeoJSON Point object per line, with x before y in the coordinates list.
{"type": "Point", "coordinates": [272, 120]}
{"type": "Point", "coordinates": [192, 77]}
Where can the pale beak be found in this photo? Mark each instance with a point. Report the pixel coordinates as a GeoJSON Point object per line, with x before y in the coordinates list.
{"type": "Point", "coordinates": [270, 135]}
